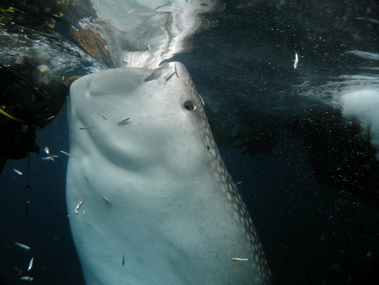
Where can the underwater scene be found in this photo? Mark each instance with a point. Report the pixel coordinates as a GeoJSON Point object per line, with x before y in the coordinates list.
{"type": "Point", "coordinates": [189, 142]}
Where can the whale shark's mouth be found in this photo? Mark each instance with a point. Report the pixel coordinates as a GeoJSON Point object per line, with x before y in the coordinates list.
{"type": "Point", "coordinates": [140, 33]}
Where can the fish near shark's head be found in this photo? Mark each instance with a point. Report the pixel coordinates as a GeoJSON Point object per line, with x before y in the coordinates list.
{"type": "Point", "coordinates": [158, 111]}
{"type": "Point", "coordinates": [149, 197]}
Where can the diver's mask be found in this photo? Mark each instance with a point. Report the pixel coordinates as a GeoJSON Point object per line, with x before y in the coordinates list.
{"type": "Point", "coordinates": [42, 74]}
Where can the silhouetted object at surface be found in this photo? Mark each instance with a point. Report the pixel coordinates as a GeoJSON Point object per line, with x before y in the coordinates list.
{"type": "Point", "coordinates": [30, 98]}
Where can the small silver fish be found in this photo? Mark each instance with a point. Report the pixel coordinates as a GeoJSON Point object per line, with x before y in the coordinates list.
{"type": "Point", "coordinates": [175, 72]}
{"type": "Point", "coordinates": [30, 264]}
{"type": "Point", "coordinates": [106, 200]}
{"type": "Point", "coordinates": [47, 150]}
{"type": "Point", "coordinates": [86, 128]}
{"type": "Point", "coordinates": [123, 121]}
{"type": "Point", "coordinates": [27, 278]}
{"type": "Point", "coordinates": [23, 246]}
{"type": "Point", "coordinates": [103, 116]}
{"type": "Point", "coordinates": [79, 205]}
{"type": "Point", "coordinates": [50, 118]}
{"type": "Point", "coordinates": [296, 61]}
{"type": "Point", "coordinates": [74, 28]}
{"type": "Point", "coordinates": [47, 158]}
{"type": "Point", "coordinates": [66, 153]}
{"type": "Point", "coordinates": [17, 171]}
{"type": "Point", "coordinates": [240, 259]}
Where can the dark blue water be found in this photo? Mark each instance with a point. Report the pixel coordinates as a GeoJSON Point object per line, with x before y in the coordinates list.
{"type": "Point", "coordinates": [45, 229]}
{"type": "Point", "coordinates": [308, 176]}
{"type": "Point", "coordinates": [313, 200]}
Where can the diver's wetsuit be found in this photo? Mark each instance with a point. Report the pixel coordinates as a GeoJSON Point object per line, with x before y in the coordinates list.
{"type": "Point", "coordinates": [24, 109]}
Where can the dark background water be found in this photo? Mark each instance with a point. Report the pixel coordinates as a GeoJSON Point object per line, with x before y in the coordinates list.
{"type": "Point", "coordinates": [45, 229]}
{"type": "Point", "coordinates": [315, 229]}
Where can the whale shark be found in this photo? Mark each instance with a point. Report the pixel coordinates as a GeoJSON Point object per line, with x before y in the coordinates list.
{"type": "Point", "coordinates": [149, 198]}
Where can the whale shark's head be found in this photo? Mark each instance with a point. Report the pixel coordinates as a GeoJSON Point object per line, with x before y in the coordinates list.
{"type": "Point", "coordinates": [152, 116]}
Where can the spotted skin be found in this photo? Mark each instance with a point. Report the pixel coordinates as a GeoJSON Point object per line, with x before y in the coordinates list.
{"type": "Point", "coordinates": [229, 190]}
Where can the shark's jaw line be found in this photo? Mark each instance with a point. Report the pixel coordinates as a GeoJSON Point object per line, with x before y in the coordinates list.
{"type": "Point", "coordinates": [149, 198]}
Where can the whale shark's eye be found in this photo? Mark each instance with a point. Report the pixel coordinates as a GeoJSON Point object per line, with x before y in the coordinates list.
{"type": "Point", "coordinates": [189, 106]}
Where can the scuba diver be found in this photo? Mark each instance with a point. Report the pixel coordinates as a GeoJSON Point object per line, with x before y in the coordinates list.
{"type": "Point", "coordinates": [30, 98]}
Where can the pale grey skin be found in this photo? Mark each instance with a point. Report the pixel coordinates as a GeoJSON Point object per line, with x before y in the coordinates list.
{"type": "Point", "coordinates": [159, 205]}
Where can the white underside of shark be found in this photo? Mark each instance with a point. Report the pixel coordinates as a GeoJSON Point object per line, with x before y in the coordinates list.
{"type": "Point", "coordinates": [149, 198]}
